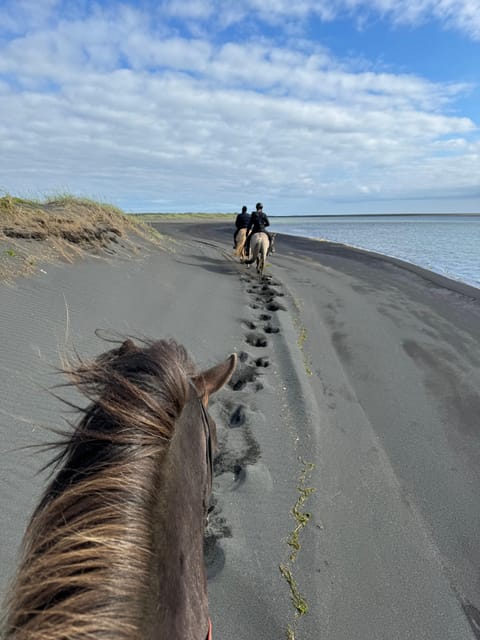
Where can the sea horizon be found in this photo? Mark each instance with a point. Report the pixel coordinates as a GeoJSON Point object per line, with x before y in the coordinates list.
{"type": "Point", "coordinates": [372, 215]}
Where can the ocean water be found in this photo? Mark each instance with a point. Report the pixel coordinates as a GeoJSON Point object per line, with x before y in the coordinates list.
{"type": "Point", "coordinates": [445, 244]}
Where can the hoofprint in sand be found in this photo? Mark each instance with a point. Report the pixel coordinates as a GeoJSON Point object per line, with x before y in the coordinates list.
{"type": "Point", "coordinates": [346, 483]}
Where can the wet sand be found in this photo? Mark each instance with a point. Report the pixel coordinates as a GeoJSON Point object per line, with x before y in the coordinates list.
{"type": "Point", "coordinates": [367, 370]}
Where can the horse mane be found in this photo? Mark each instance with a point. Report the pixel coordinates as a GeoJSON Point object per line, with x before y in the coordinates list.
{"type": "Point", "coordinates": [87, 549]}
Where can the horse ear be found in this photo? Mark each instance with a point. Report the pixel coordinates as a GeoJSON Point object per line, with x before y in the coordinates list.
{"type": "Point", "coordinates": [213, 379]}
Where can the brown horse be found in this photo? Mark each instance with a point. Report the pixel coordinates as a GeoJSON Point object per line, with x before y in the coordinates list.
{"type": "Point", "coordinates": [114, 549]}
{"type": "Point", "coordinates": [240, 251]}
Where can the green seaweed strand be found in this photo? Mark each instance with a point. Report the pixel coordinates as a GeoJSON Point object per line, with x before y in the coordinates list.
{"type": "Point", "coordinates": [301, 518]}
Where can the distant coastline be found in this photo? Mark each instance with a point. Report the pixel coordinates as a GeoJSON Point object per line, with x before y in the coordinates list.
{"type": "Point", "coordinates": [222, 215]}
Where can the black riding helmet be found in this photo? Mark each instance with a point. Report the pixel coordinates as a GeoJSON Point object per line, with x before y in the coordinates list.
{"type": "Point", "coordinates": [258, 206]}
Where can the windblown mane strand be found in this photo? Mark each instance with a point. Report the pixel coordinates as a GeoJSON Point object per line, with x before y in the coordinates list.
{"type": "Point", "coordinates": [87, 547]}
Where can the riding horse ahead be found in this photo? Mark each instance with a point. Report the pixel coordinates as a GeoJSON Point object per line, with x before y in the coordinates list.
{"type": "Point", "coordinates": [260, 247]}
{"type": "Point", "coordinates": [240, 247]}
{"type": "Point", "coordinates": [114, 549]}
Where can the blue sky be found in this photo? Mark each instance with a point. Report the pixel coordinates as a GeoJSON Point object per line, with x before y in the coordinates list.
{"type": "Point", "coordinates": [312, 106]}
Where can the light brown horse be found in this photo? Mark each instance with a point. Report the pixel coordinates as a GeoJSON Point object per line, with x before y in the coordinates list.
{"type": "Point", "coordinates": [240, 251]}
{"type": "Point", "coordinates": [259, 245]}
{"type": "Point", "coordinates": [114, 550]}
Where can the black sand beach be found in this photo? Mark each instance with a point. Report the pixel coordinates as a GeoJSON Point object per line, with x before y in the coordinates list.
{"type": "Point", "coordinates": [358, 378]}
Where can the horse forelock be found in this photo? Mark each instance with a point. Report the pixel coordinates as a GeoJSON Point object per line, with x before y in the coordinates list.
{"type": "Point", "coordinates": [136, 394]}
{"type": "Point", "coordinates": [87, 548]}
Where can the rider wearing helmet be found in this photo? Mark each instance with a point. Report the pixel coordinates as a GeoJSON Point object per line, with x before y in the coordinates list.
{"type": "Point", "coordinates": [258, 223]}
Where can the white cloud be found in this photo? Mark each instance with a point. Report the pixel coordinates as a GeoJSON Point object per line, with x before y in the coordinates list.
{"type": "Point", "coordinates": [117, 107]}
{"type": "Point", "coordinates": [19, 16]}
{"type": "Point", "coordinates": [462, 15]}
{"type": "Point", "coordinates": [176, 53]}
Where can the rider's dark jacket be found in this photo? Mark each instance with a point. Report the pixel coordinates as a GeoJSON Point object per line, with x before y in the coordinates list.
{"type": "Point", "coordinates": [258, 222]}
{"type": "Point", "coordinates": [242, 220]}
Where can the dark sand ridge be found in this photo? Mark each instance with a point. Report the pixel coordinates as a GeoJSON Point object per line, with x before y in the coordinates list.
{"type": "Point", "coordinates": [388, 416]}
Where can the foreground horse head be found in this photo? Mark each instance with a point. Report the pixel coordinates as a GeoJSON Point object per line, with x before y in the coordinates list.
{"type": "Point", "coordinates": [115, 547]}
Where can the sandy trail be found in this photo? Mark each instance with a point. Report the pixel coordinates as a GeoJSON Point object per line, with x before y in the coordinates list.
{"type": "Point", "coordinates": [353, 365]}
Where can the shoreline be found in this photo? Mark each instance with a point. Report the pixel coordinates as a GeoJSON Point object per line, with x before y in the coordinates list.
{"type": "Point", "coordinates": [451, 283]}
{"type": "Point", "coordinates": [427, 243]}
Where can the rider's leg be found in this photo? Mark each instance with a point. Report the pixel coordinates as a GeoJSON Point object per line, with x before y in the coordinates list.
{"type": "Point", "coordinates": [270, 249]}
